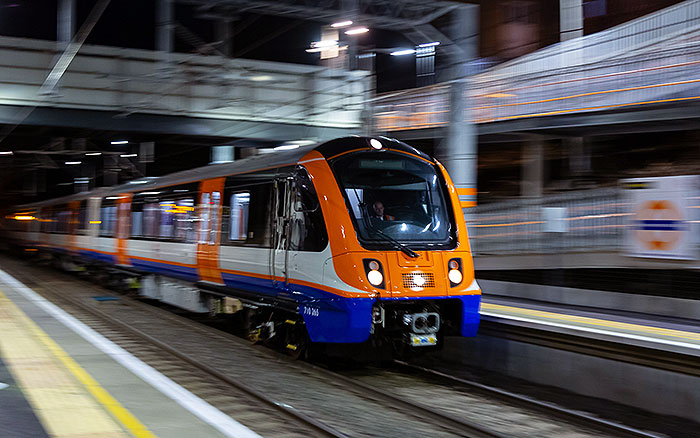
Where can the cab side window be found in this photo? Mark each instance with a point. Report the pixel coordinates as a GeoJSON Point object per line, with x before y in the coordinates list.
{"type": "Point", "coordinates": [308, 229]}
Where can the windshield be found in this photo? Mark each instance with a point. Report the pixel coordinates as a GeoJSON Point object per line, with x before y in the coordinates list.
{"type": "Point", "coordinates": [393, 196]}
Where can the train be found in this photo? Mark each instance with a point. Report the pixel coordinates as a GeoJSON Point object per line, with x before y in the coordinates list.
{"type": "Point", "coordinates": [357, 242]}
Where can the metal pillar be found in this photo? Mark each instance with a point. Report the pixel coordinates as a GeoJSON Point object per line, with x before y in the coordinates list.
{"type": "Point", "coordinates": [459, 149]}
{"type": "Point", "coordinates": [570, 19]}
{"type": "Point", "coordinates": [224, 33]}
{"type": "Point", "coordinates": [532, 180]}
{"type": "Point", "coordinates": [65, 23]}
{"type": "Point", "coordinates": [164, 32]}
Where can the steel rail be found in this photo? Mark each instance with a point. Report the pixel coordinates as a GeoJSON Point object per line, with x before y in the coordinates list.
{"type": "Point", "coordinates": [317, 426]}
{"type": "Point", "coordinates": [549, 409]}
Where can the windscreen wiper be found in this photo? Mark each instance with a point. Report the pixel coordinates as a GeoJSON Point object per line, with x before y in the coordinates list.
{"type": "Point", "coordinates": [398, 245]}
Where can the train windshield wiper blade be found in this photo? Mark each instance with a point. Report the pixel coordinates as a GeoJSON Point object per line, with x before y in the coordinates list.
{"type": "Point", "coordinates": [406, 250]}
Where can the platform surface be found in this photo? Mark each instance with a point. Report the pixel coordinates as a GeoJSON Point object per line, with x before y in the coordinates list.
{"type": "Point", "coordinates": [62, 379]}
{"type": "Point", "coordinates": [650, 331]}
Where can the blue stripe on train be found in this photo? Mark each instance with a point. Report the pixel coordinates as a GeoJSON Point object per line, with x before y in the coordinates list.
{"type": "Point", "coordinates": [106, 258]}
{"type": "Point", "coordinates": [183, 272]}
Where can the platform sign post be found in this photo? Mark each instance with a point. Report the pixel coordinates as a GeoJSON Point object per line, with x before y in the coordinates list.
{"type": "Point", "coordinates": [662, 220]}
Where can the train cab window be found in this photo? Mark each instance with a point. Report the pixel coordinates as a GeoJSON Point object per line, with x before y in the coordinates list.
{"type": "Point", "coordinates": [308, 230]}
{"type": "Point", "coordinates": [393, 196]}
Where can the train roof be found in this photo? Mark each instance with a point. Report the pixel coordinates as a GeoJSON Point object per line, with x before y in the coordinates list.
{"type": "Point", "coordinates": [328, 149]}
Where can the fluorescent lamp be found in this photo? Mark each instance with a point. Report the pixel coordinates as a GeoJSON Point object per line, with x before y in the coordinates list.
{"type": "Point", "coordinates": [149, 193]}
{"type": "Point", "coordinates": [74, 162]}
{"type": "Point", "coordinates": [261, 78]}
{"type": "Point", "coordinates": [356, 31]}
{"type": "Point", "coordinates": [324, 44]}
{"type": "Point", "coordinates": [286, 147]}
{"type": "Point", "coordinates": [129, 155]}
{"type": "Point", "coordinates": [119, 142]}
{"type": "Point", "coordinates": [342, 24]}
{"type": "Point", "coordinates": [5, 152]}
{"type": "Point", "coordinates": [433, 44]}
{"type": "Point", "coordinates": [93, 154]}
{"type": "Point", "coordinates": [403, 52]}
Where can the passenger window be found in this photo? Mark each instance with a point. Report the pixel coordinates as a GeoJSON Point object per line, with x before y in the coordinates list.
{"type": "Point", "coordinates": [246, 215]}
{"type": "Point", "coordinates": [240, 203]}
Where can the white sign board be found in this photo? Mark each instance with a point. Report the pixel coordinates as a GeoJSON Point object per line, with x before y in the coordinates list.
{"type": "Point", "coordinates": [661, 219]}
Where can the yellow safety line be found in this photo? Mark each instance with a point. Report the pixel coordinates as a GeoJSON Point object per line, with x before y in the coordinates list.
{"type": "Point", "coordinates": [593, 321]}
{"type": "Point", "coordinates": [131, 423]}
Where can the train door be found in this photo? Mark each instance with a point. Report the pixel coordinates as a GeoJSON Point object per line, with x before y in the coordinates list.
{"type": "Point", "coordinates": [280, 256]}
{"type": "Point", "coordinates": [122, 231]}
{"type": "Point", "coordinates": [210, 224]}
{"type": "Point", "coordinates": [74, 208]}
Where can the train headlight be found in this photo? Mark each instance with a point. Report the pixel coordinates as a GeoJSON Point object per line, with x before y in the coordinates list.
{"type": "Point", "coordinates": [374, 272]}
{"type": "Point", "coordinates": [454, 272]}
{"type": "Point", "coordinates": [455, 276]}
{"type": "Point", "coordinates": [375, 277]}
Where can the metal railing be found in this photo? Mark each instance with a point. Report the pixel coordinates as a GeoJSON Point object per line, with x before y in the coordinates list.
{"type": "Point", "coordinates": [654, 59]}
{"type": "Point", "coordinates": [571, 222]}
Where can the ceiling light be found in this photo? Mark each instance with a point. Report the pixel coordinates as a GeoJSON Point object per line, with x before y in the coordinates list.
{"type": "Point", "coordinates": [73, 162]}
{"type": "Point", "coordinates": [261, 78]}
{"type": "Point", "coordinates": [433, 44]}
{"type": "Point", "coordinates": [286, 147]}
{"type": "Point", "coordinates": [119, 142]}
{"type": "Point", "coordinates": [356, 31]}
{"type": "Point", "coordinates": [5, 152]}
{"type": "Point", "coordinates": [324, 44]}
{"type": "Point", "coordinates": [342, 24]}
{"type": "Point", "coordinates": [403, 52]}
{"type": "Point", "coordinates": [93, 154]}
{"type": "Point", "coordinates": [129, 155]}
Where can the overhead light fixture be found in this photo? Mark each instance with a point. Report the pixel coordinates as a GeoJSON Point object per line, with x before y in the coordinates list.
{"type": "Point", "coordinates": [403, 52]}
{"type": "Point", "coordinates": [356, 31]}
{"type": "Point", "coordinates": [74, 162]}
{"type": "Point", "coordinates": [119, 142]}
{"type": "Point", "coordinates": [129, 155]}
{"type": "Point", "coordinates": [93, 154]}
{"type": "Point", "coordinates": [286, 147]}
{"type": "Point", "coordinates": [261, 78]}
{"type": "Point", "coordinates": [321, 49]}
{"type": "Point", "coordinates": [6, 152]}
{"type": "Point", "coordinates": [342, 23]}
{"type": "Point", "coordinates": [324, 44]}
{"type": "Point", "coordinates": [149, 193]}
{"type": "Point", "coordinates": [433, 44]}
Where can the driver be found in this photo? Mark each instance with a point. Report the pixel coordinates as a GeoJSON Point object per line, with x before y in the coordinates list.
{"type": "Point", "coordinates": [378, 212]}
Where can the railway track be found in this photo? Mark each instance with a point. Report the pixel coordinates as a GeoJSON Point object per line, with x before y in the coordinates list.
{"type": "Point", "coordinates": [318, 401]}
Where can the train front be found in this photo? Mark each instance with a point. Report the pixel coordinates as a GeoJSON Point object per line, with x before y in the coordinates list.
{"type": "Point", "coordinates": [399, 241]}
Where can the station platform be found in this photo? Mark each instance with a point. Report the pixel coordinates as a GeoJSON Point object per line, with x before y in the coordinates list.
{"type": "Point", "coordinates": [649, 331]}
{"type": "Point", "coordinates": [60, 378]}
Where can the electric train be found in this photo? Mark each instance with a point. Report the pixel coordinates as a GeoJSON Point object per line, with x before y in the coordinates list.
{"type": "Point", "coordinates": [294, 244]}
